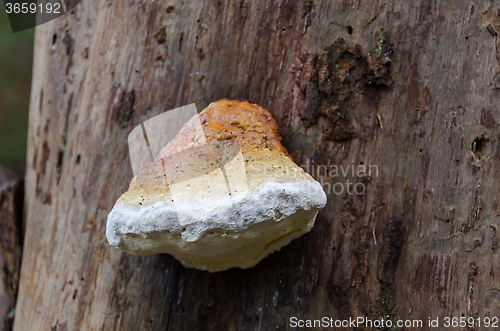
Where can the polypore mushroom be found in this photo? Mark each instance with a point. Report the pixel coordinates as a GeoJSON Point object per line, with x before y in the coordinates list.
{"type": "Point", "coordinates": [221, 197]}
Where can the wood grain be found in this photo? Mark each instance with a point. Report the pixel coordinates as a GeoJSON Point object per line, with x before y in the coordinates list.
{"type": "Point", "coordinates": [420, 242]}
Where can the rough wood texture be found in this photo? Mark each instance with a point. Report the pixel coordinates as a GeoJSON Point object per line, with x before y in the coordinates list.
{"type": "Point", "coordinates": [11, 206]}
{"type": "Point", "coordinates": [422, 241]}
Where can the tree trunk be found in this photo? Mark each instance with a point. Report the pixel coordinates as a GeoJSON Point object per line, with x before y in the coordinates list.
{"type": "Point", "coordinates": [420, 242]}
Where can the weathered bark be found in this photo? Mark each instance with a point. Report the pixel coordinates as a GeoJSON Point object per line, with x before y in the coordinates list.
{"type": "Point", "coordinates": [420, 242]}
{"type": "Point", "coordinates": [11, 206]}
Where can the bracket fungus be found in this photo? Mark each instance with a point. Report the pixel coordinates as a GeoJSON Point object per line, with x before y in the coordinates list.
{"type": "Point", "coordinates": [223, 193]}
